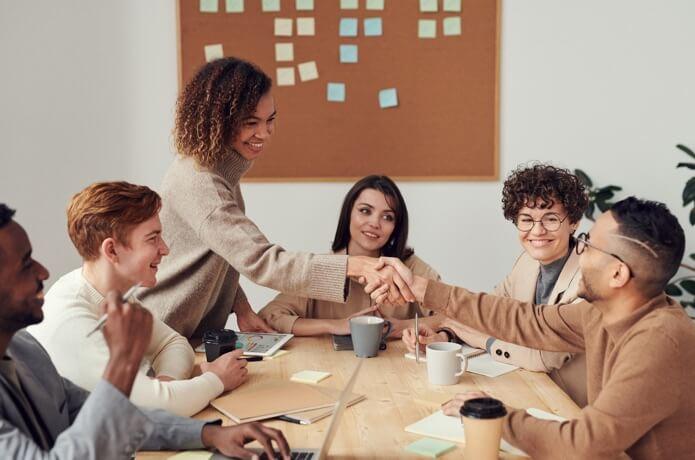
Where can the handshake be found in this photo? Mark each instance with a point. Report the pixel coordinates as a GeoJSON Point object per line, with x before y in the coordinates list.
{"type": "Point", "coordinates": [386, 280]}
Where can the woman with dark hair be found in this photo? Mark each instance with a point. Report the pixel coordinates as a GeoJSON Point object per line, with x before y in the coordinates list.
{"type": "Point", "coordinates": [225, 117]}
{"type": "Point", "coordinates": [373, 222]}
{"type": "Point", "coordinates": [545, 204]}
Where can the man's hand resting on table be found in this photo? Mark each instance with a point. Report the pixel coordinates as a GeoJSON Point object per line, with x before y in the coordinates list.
{"type": "Point", "coordinates": [230, 440]}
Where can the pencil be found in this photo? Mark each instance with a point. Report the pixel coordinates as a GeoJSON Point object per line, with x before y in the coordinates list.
{"type": "Point", "coordinates": [129, 293]}
{"type": "Point", "coordinates": [417, 341]}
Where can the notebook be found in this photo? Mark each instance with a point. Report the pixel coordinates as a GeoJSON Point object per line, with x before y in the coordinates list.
{"type": "Point", "coordinates": [311, 416]}
{"type": "Point", "coordinates": [272, 399]}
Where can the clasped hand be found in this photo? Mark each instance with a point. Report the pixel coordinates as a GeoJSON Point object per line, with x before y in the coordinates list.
{"type": "Point", "coordinates": [387, 274]}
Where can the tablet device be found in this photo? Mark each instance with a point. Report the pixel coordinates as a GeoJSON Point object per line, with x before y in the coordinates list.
{"type": "Point", "coordinates": [342, 342]}
{"type": "Point", "coordinates": [257, 343]}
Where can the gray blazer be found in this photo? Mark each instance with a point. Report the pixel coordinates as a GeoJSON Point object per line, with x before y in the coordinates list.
{"type": "Point", "coordinates": [103, 424]}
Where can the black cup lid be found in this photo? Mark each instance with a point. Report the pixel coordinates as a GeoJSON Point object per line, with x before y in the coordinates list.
{"type": "Point", "coordinates": [219, 336]}
{"type": "Point", "coordinates": [483, 408]}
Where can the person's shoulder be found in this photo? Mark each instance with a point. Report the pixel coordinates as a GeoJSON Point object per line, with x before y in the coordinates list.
{"type": "Point", "coordinates": [24, 347]}
{"type": "Point", "coordinates": [670, 321]}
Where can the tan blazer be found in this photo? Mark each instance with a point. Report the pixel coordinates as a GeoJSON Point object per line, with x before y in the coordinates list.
{"type": "Point", "coordinates": [566, 369]}
{"type": "Point", "coordinates": [283, 310]}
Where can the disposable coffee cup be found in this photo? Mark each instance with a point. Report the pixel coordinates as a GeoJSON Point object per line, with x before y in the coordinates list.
{"type": "Point", "coordinates": [218, 342]}
{"type": "Point", "coordinates": [368, 333]}
{"type": "Point", "coordinates": [482, 425]}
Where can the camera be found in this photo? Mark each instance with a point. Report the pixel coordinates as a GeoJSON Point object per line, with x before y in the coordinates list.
{"type": "Point", "coordinates": [218, 342]}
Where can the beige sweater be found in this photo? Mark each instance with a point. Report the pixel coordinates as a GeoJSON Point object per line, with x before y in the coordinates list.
{"type": "Point", "coordinates": [73, 308]}
{"type": "Point", "coordinates": [212, 242]}
{"type": "Point", "coordinates": [639, 373]}
{"type": "Point", "coordinates": [283, 311]}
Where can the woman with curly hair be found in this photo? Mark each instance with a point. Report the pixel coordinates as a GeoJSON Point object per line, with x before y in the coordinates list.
{"type": "Point", "coordinates": [545, 204]}
{"type": "Point", "coordinates": [373, 222]}
{"type": "Point", "coordinates": [225, 117]}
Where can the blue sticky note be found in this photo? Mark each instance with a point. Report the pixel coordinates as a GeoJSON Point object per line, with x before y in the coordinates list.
{"type": "Point", "coordinates": [348, 54]}
{"type": "Point", "coordinates": [348, 27]}
{"type": "Point", "coordinates": [335, 92]}
{"type": "Point", "coordinates": [388, 98]}
{"type": "Point", "coordinates": [209, 6]}
{"type": "Point", "coordinates": [304, 5]}
{"type": "Point", "coordinates": [431, 448]}
{"type": "Point", "coordinates": [235, 6]}
{"type": "Point", "coordinates": [269, 6]}
{"type": "Point", "coordinates": [372, 27]}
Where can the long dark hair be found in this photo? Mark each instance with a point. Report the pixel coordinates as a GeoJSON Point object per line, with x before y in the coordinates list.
{"type": "Point", "coordinates": [396, 245]}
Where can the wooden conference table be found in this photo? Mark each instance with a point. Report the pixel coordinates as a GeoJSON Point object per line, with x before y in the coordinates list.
{"type": "Point", "coordinates": [398, 394]}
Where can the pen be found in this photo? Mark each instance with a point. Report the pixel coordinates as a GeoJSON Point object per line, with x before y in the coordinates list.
{"type": "Point", "coordinates": [285, 418]}
{"type": "Point", "coordinates": [417, 341]}
{"type": "Point", "coordinates": [129, 293]}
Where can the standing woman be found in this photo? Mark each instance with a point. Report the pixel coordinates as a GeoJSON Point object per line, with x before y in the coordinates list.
{"type": "Point", "coordinates": [373, 222]}
{"type": "Point", "coordinates": [225, 117]}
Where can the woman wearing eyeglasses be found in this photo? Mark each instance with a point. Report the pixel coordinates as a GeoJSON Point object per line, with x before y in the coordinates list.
{"type": "Point", "coordinates": [545, 204]}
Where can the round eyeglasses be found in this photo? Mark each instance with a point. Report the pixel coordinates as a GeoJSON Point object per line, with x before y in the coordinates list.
{"type": "Point", "coordinates": [551, 222]}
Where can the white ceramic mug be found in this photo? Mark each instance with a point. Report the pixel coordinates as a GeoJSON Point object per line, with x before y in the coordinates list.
{"type": "Point", "coordinates": [445, 363]}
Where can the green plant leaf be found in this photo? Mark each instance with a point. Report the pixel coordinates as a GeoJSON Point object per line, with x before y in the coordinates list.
{"type": "Point", "coordinates": [589, 213]}
{"type": "Point", "coordinates": [689, 191]}
{"type": "Point", "coordinates": [692, 222]}
{"type": "Point", "coordinates": [692, 256]}
{"type": "Point", "coordinates": [686, 165]}
{"type": "Point", "coordinates": [603, 205]}
{"type": "Point", "coordinates": [604, 195]}
{"type": "Point", "coordinates": [686, 150]}
{"type": "Point", "coordinates": [583, 177]}
{"type": "Point", "coordinates": [688, 285]}
{"type": "Point", "coordinates": [673, 290]}
{"type": "Point", "coordinates": [612, 188]}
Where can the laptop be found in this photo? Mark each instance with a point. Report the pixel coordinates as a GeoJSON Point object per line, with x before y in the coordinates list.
{"type": "Point", "coordinates": [322, 452]}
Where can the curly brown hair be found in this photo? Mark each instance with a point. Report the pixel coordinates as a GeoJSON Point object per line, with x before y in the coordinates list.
{"type": "Point", "coordinates": [212, 106]}
{"type": "Point", "coordinates": [527, 185]}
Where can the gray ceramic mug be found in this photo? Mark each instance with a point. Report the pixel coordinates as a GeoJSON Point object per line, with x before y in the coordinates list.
{"type": "Point", "coordinates": [368, 333]}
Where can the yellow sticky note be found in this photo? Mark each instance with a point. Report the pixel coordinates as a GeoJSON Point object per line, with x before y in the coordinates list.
{"type": "Point", "coordinates": [428, 6]}
{"type": "Point", "coordinates": [349, 4]}
{"type": "Point", "coordinates": [375, 4]}
{"type": "Point", "coordinates": [285, 76]}
{"type": "Point", "coordinates": [308, 71]}
{"type": "Point", "coordinates": [310, 376]}
{"type": "Point", "coordinates": [452, 5]}
{"type": "Point", "coordinates": [209, 6]}
{"type": "Point", "coordinates": [192, 455]}
{"type": "Point", "coordinates": [213, 52]}
{"type": "Point", "coordinates": [235, 6]}
{"type": "Point", "coordinates": [452, 26]}
{"type": "Point", "coordinates": [283, 27]}
{"type": "Point", "coordinates": [427, 28]}
{"type": "Point", "coordinates": [277, 354]}
{"type": "Point", "coordinates": [304, 5]}
{"type": "Point", "coordinates": [284, 52]}
{"type": "Point", "coordinates": [270, 6]}
{"type": "Point", "coordinates": [306, 26]}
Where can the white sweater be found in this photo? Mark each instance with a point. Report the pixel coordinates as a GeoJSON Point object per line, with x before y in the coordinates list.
{"type": "Point", "coordinates": [72, 309]}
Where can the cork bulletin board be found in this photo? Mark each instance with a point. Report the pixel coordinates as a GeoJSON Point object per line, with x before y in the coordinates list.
{"type": "Point", "coordinates": [419, 103]}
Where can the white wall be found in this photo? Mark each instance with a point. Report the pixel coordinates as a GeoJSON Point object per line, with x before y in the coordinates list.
{"type": "Point", "coordinates": [87, 92]}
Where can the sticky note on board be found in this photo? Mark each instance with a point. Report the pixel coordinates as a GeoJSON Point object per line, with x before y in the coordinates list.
{"type": "Point", "coordinates": [209, 6]}
{"type": "Point", "coordinates": [375, 5]}
{"type": "Point", "coordinates": [349, 4]}
{"type": "Point", "coordinates": [428, 6]}
{"type": "Point", "coordinates": [431, 448]}
{"type": "Point", "coordinates": [348, 27]}
{"type": "Point", "coordinates": [372, 27]}
{"type": "Point", "coordinates": [283, 27]}
{"type": "Point", "coordinates": [213, 52]}
{"type": "Point", "coordinates": [452, 26]}
{"type": "Point", "coordinates": [388, 98]}
{"type": "Point", "coordinates": [285, 76]}
{"type": "Point", "coordinates": [304, 5]}
{"type": "Point", "coordinates": [453, 6]}
{"type": "Point", "coordinates": [348, 54]}
{"type": "Point", "coordinates": [234, 6]}
{"type": "Point", "coordinates": [308, 71]}
{"type": "Point", "coordinates": [310, 376]}
{"type": "Point", "coordinates": [284, 52]}
{"type": "Point", "coordinates": [191, 455]}
{"type": "Point", "coordinates": [306, 26]}
{"type": "Point", "coordinates": [427, 28]}
{"type": "Point", "coordinates": [270, 6]}
{"type": "Point", "coordinates": [335, 92]}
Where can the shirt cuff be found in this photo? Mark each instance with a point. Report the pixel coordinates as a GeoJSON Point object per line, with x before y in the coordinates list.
{"type": "Point", "coordinates": [488, 343]}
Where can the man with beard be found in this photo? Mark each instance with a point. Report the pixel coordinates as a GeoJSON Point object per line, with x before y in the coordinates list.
{"type": "Point", "coordinates": [639, 343]}
{"type": "Point", "coordinates": [45, 416]}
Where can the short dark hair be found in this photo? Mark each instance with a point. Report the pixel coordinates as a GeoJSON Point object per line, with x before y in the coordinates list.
{"type": "Point", "coordinates": [653, 224]}
{"type": "Point", "coordinates": [527, 184]}
{"type": "Point", "coordinates": [6, 214]}
{"type": "Point", "coordinates": [397, 244]}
